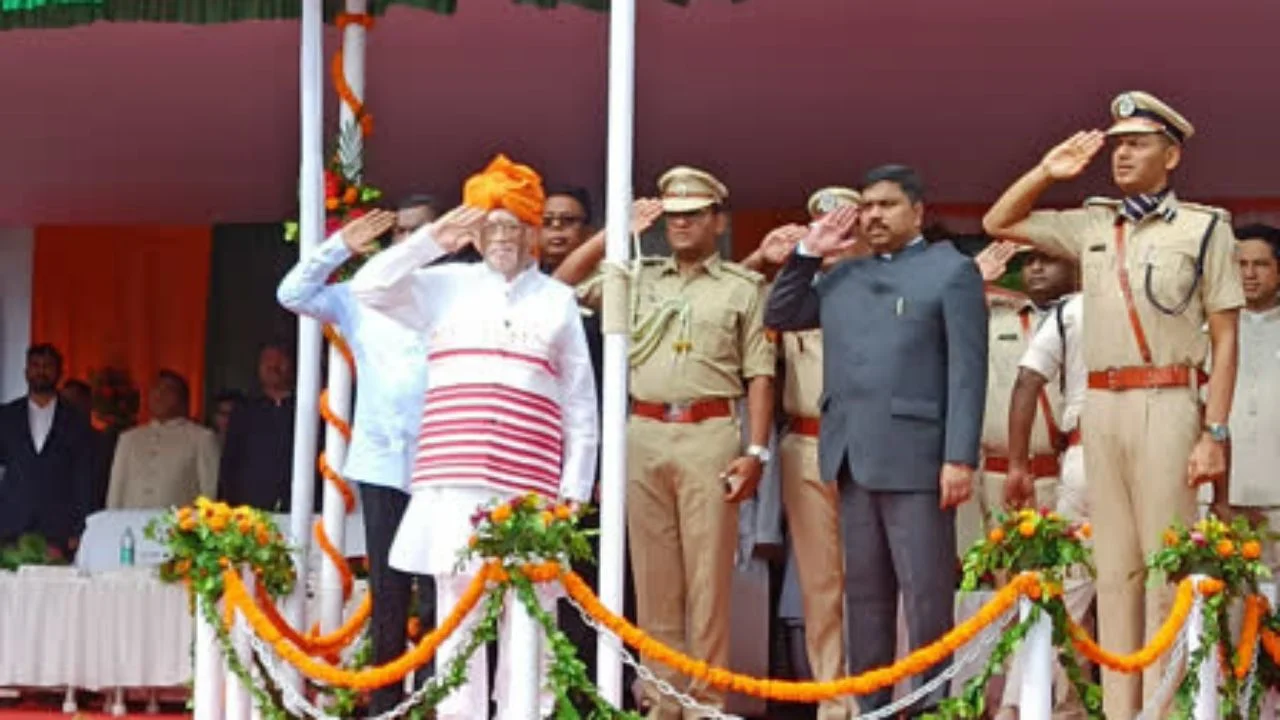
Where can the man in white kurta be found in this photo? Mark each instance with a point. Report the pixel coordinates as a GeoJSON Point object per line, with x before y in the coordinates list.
{"type": "Point", "coordinates": [168, 462]}
{"type": "Point", "coordinates": [510, 405]}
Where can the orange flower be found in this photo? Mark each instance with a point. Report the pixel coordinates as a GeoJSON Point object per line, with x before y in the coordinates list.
{"type": "Point", "coordinates": [1170, 538]}
{"type": "Point", "coordinates": [224, 563]}
{"type": "Point", "coordinates": [245, 526]}
{"type": "Point", "coordinates": [262, 536]}
{"type": "Point", "coordinates": [414, 628]}
{"type": "Point", "coordinates": [502, 513]}
{"type": "Point", "coordinates": [350, 196]}
{"type": "Point", "coordinates": [187, 524]}
{"type": "Point", "coordinates": [218, 523]}
{"type": "Point", "coordinates": [1086, 531]}
{"type": "Point", "coordinates": [1226, 548]}
{"type": "Point", "coordinates": [1027, 529]}
{"type": "Point", "coordinates": [182, 567]}
{"type": "Point", "coordinates": [1252, 550]}
{"type": "Point", "coordinates": [547, 517]}
{"type": "Point", "coordinates": [996, 535]}
{"type": "Point", "coordinates": [184, 514]}
{"type": "Point", "coordinates": [331, 203]}
{"type": "Point", "coordinates": [563, 512]}
{"type": "Point", "coordinates": [473, 541]}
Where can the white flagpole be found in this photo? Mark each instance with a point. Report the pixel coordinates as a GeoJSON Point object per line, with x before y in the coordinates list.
{"type": "Point", "coordinates": [613, 471]}
{"type": "Point", "coordinates": [339, 381]}
{"type": "Point", "coordinates": [311, 226]}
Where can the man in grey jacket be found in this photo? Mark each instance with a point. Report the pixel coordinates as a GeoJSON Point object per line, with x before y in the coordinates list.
{"type": "Point", "coordinates": [904, 377]}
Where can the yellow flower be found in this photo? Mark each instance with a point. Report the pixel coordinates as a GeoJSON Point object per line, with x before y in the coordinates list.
{"type": "Point", "coordinates": [547, 518]}
{"type": "Point", "coordinates": [1170, 538]}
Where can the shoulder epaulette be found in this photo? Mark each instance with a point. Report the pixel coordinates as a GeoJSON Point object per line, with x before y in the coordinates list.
{"type": "Point", "coordinates": [1099, 201]}
{"type": "Point", "coordinates": [743, 272]}
{"type": "Point", "coordinates": [1224, 215]}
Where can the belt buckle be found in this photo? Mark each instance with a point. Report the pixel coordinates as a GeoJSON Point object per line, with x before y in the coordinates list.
{"type": "Point", "coordinates": [675, 412]}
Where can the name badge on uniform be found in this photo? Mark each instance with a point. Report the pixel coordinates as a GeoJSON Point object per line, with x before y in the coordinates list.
{"type": "Point", "coordinates": [1098, 248]}
{"type": "Point", "coordinates": [1007, 336]}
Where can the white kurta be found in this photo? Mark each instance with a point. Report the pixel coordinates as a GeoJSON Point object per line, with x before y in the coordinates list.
{"type": "Point", "coordinates": [482, 332]}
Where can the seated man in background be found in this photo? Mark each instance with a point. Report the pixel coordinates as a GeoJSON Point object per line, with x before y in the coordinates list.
{"type": "Point", "coordinates": [168, 462]}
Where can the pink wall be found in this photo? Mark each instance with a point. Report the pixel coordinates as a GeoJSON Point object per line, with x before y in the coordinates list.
{"type": "Point", "coordinates": [193, 124]}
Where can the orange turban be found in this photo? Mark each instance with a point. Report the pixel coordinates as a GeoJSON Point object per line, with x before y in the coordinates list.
{"type": "Point", "coordinates": [508, 186]}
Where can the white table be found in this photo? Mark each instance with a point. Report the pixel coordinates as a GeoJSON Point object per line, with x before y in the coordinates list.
{"type": "Point", "coordinates": [62, 628]}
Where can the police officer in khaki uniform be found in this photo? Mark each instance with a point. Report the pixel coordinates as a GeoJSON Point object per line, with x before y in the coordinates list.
{"type": "Point", "coordinates": [698, 345]}
{"type": "Point", "coordinates": [1014, 319]}
{"type": "Point", "coordinates": [1155, 271]}
{"type": "Point", "coordinates": [812, 506]}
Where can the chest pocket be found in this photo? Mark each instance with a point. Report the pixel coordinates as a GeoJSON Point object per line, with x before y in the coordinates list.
{"type": "Point", "coordinates": [1170, 279]}
{"type": "Point", "coordinates": [1097, 266]}
{"type": "Point", "coordinates": [715, 332]}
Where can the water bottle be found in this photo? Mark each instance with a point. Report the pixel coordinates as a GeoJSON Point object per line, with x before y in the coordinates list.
{"type": "Point", "coordinates": [126, 548]}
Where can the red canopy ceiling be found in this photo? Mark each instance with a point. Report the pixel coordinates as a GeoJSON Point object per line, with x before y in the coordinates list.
{"type": "Point", "coordinates": [170, 123]}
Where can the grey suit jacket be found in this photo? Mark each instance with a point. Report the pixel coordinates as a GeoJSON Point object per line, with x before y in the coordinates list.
{"type": "Point", "coordinates": [905, 361]}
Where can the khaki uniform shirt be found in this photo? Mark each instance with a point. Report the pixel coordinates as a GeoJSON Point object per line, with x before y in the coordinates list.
{"type": "Point", "coordinates": [802, 363]}
{"type": "Point", "coordinates": [1160, 257]}
{"type": "Point", "coordinates": [1255, 414]}
{"type": "Point", "coordinates": [1014, 320]}
{"type": "Point", "coordinates": [728, 339]}
{"type": "Point", "coordinates": [160, 465]}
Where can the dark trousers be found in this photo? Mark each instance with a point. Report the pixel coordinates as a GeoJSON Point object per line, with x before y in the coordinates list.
{"type": "Point", "coordinates": [895, 543]}
{"type": "Point", "coordinates": [392, 590]}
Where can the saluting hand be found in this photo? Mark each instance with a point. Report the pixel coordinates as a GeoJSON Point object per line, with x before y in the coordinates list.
{"type": "Point", "coordinates": [832, 234]}
{"type": "Point", "coordinates": [780, 242]}
{"type": "Point", "coordinates": [361, 235]}
{"type": "Point", "coordinates": [994, 259]}
{"type": "Point", "coordinates": [457, 228]}
{"type": "Point", "coordinates": [1072, 156]}
{"type": "Point", "coordinates": [955, 484]}
{"type": "Point", "coordinates": [644, 213]}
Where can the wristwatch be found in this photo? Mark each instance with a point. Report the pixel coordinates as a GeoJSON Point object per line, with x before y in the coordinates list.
{"type": "Point", "coordinates": [1218, 432]}
{"type": "Point", "coordinates": [760, 453]}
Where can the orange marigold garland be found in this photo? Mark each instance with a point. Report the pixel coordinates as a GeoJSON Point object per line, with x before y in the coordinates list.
{"type": "Point", "coordinates": [1052, 546]}
{"type": "Point", "coordinates": [1228, 555]}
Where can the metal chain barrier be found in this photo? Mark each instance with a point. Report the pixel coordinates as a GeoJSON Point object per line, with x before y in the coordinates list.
{"type": "Point", "coordinates": [989, 636]}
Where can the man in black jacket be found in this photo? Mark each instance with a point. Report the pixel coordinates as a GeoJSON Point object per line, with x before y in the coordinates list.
{"type": "Point", "coordinates": [904, 388]}
{"type": "Point", "coordinates": [46, 451]}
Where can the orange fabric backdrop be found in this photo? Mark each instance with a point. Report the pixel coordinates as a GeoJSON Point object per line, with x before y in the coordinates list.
{"type": "Point", "coordinates": [135, 298]}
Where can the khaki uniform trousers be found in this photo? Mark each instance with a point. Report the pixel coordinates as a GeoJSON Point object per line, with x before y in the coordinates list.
{"type": "Point", "coordinates": [1077, 590]}
{"type": "Point", "coordinates": [1137, 443]}
{"type": "Point", "coordinates": [813, 521]}
{"type": "Point", "coordinates": [682, 536]}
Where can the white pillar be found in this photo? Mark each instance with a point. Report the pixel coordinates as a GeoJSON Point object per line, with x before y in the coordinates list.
{"type": "Point", "coordinates": [1035, 697]}
{"type": "Point", "coordinates": [525, 645]}
{"type": "Point", "coordinates": [339, 381]}
{"type": "Point", "coordinates": [239, 704]}
{"type": "Point", "coordinates": [210, 674]}
{"type": "Point", "coordinates": [311, 226]}
{"type": "Point", "coordinates": [613, 465]}
{"type": "Point", "coordinates": [1206, 702]}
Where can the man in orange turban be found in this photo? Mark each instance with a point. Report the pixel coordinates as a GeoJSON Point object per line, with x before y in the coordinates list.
{"type": "Point", "coordinates": [510, 404]}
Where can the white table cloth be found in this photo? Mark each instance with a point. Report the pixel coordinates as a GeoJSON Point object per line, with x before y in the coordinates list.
{"type": "Point", "coordinates": [59, 627]}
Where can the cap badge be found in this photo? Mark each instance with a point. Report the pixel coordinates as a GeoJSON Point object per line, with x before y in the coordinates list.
{"type": "Point", "coordinates": [827, 202]}
{"type": "Point", "coordinates": [1125, 106]}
